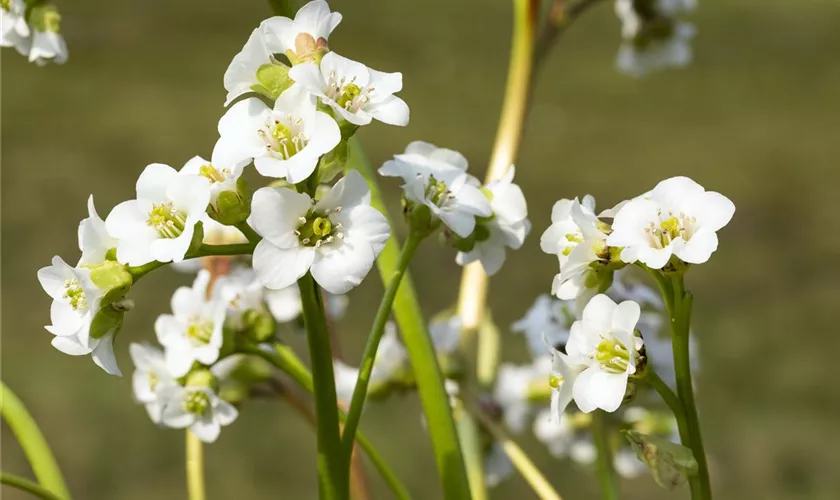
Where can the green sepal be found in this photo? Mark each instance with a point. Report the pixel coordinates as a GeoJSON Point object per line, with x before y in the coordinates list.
{"type": "Point", "coordinates": [111, 254]}
{"type": "Point", "coordinates": [231, 208]}
{"type": "Point", "coordinates": [108, 319]}
{"type": "Point", "coordinates": [197, 238]}
{"type": "Point", "coordinates": [45, 18]}
{"type": "Point", "coordinates": [202, 377]}
{"type": "Point", "coordinates": [113, 278]}
{"type": "Point", "coordinates": [670, 464]}
{"type": "Point", "coordinates": [332, 163]}
{"type": "Point", "coordinates": [273, 79]}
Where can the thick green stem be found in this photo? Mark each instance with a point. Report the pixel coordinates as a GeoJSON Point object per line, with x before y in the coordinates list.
{"type": "Point", "coordinates": [421, 352]}
{"type": "Point", "coordinates": [680, 313]}
{"type": "Point", "coordinates": [357, 402]}
{"type": "Point", "coordinates": [287, 361]}
{"type": "Point", "coordinates": [523, 464]}
{"type": "Point", "coordinates": [604, 460]}
{"type": "Point", "coordinates": [248, 232]}
{"type": "Point", "coordinates": [331, 470]}
{"type": "Point", "coordinates": [32, 442]}
{"type": "Point", "coordinates": [195, 467]}
{"type": "Point", "coordinates": [138, 272]}
{"type": "Point", "coordinates": [28, 486]}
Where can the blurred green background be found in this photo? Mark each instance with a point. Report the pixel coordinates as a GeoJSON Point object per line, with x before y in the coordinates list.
{"type": "Point", "coordinates": [754, 117]}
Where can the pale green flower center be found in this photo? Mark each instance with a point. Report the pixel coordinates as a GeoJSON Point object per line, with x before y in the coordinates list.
{"type": "Point", "coordinates": [153, 380]}
{"type": "Point", "coordinates": [167, 220]}
{"type": "Point", "coordinates": [214, 175]}
{"type": "Point", "coordinates": [613, 356]}
{"type": "Point", "coordinates": [200, 331]}
{"type": "Point", "coordinates": [437, 192]}
{"type": "Point", "coordinates": [346, 94]}
{"type": "Point", "coordinates": [670, 228]}
{"type": "Point", "coordinates": [283, 140]}
{"type": "Point", "coordinates": [74, 293]}
{"type": "Point", "coordinates": [197, 402]}
{"type": "Point", "coordinates": [316, 228]}
{"type": "Point", "coordinates": [555, 381]}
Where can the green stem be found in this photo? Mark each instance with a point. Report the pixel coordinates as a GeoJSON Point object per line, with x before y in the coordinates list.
{"type": "Point", "coordinates": [28, 486]}
{"type": "Point", "coordinates": [680, 313]}
{"type": "Point", "coordinates": [138, 272]}
{"type": "Point", "coordinates": [248, 232]}
{"type": "Point", "coordinates": [671, 400]}
{"type": "Point", "coordinates": [195, 467]}
{"type": "Point", "coordinates": [471, 442]}
{"type": "Point", "coordinates": [331, 470]}
{"type": "Point", "coordinates": [32, 442]}
{"type": "Point", "coordinates": [523, 464]}
{"type": "Point", "coordinates": [604, 461]}
{"type": "Point", "coordinates": [357, 402]}
{"type": "Point", "coordinates": [285, 359]}
{"type": "Point", "coordinates": [421, 352]}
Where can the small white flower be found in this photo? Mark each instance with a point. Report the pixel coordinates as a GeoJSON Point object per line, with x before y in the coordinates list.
{"type": "Point", "coordinates": [284, 142]}
{"type": "Point", "coordinates": [240, 291]}
{"type": "Point", "coordinates": [557, 436]}
{"type": "Point", "coordinates": [197, 408]}
{"type": "Point", "coordinates": [94, 239]}
{"type": "Point", "coordinates": [546, 322]}
{"type": "Point", "coordinates": [445, 332]}
{"type": "Point", "coordinates": [562, 381]}
{"type": "Point", "coordinates": [150, 379]}
{"type": "Point", "coordinates": [356, 92]}
{"type": "Point", "coordinates": [160, 223]}
{"type": "Point", "coordinates": [306, 34]}
{"type": "Point", "coordinates": [604, 349]}
{"type": "Point", "coordinates": [671, 52]}
{"type": "Point", "coordinates": [47, 46]}
{"type": "Point", "coordinates": [563, 235]}
{"type": "Point", "coordinates": [436, 177]}
{"type": "Point", "coordinates": [14, 31]}
{"type": "Point", "coordinates": [221, 177]}
{"type": "Point", "coordinates": [241, 74]}
{"type": "Point", "coordinates": [513, 387]}
{"type": "Point", "coordinates": [678, 218]}
{"type": "Point", "coordinates": [336, 238]}
{"type": "Point", "coordinates": [194, 331]}
{"type": "Point", "coordinates": [508, 226]}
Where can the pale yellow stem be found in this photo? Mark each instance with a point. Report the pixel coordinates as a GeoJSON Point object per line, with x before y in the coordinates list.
{"type": "Point", "coordinates": [195, 467]}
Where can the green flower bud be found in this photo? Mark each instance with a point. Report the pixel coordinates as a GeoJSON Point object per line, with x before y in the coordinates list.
{"type": "Point", "coordinates": [420, 219]}
{"type": "Point", "coordinates": [274, 79]}
{"type": "Point", "coordinates": [540, 392]}
{"type": "Point", "coordinates": [202, 378]}
{"type": "Point", "coordinates": [113, 278]}
{"type": "Point", "coordinates": [232, 207]}
{"type": "Point", "coordinates": [670, 464]}
{"type": "Point", "coordinates": [259, 325]}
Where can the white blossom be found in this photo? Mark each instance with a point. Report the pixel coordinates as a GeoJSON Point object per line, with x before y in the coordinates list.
{"type": "Point", "coordinates": [436, 177]}
{"type": "Point", "coordinates": [357, 93]}
{"type": "Point", "coordinates": [671, 52]}
{"type": "Point", "coordinates": [507, 228]}
{"type": "Point", "coordinates": [221, 177]}
{"type": "Point", "coordinates": [150, 378]}
{"type": "Point", "coordinates": [240, 291]}
{"type": "Point", "coordinates": [336, 238]}
{"type": "Point", "coordinates": [94, 239]}
{"type": "Point", "coordinates": [196, 408]}
{"type": "Point", "coordinates": [160, 223]}
{"type": "Point", "coordinates": [241, 75]}
{"type": "Point", "coordinates": [285, 141]}
{"type": "Point", "coordinates": [47, 46]}
{"type": "Point", "coordinates": [604, 350]}
{"type": "Point", "coordinates": [546, 322]}
{"type": "Point", "coordinates": [193, 332]}
{"type": "Point", "coordinates": [679, 218]}
{"type": "Point", "coordinates": [14, 30]}
{"type": "Point", "coordinates": [514, 384]}
{"type": "Point", "coordinates": [306, 34]}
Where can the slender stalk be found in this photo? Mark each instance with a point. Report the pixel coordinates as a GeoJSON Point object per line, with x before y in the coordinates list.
{"type": "Point", "coordinates": [248, 232]}
{"type": "Point", "coordinates": [28, 486]}
{"type": "Point", "coordinates": [285, 359]}
{"type": "Point", "coordinates": [331, 470]}
{"type": "Point", "coordinates": [357, 402]}
{"type": "Point", "coordinates": [680, 326]}
{"type": "Point", "coordinates": [138, 272]}
{"type": "Point", "coordinates": [33, 443]}
{"type": "Point", "coordinates": [604, 460]}
{"type": "Point", "coordinates": [470, 437]}
{"type": "Point", "coordinates": [421, 352]}
{"type": "Point", "coordinates": [523, 464]}
{"type": "Point", "coordinates": [671, 400]}
{"type": "Point", "coordinates": [195, 467]}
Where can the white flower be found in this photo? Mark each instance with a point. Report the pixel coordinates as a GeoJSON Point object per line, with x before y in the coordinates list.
{"type": "Point", "coordinates": [337, 238]}
{"type": "Point", "coordinates": [497, 466]}
{"type": "Point", "coordinates": [197, 408]}
{"type": "Point", "coordinates": [436, 177]}
{"type": "Point", "coordinates": [240, 291]}
{"type": "Point", "coordinates": [671, 52]}
{"type": "Point", "coordinates": [222, 177]}
{"type": "Point", "coordinates": [563, 235]}
{"type": "Point", "coordinates": [356, 92]}
{"type": "Point", "coordinates": [94, 239]}
{"type": "Point", "coordinates": [508, 226]}
{"type": "Point", "coordinates": [194, 331]}
{"type": "Point", "coordinates": [241, 75]}
{"type": "Point", "coordinates": [76, 301]}
{"type": "Point", "coordinates": [678, 218]}
{"type": "Point", "coordinates": [391, 358]}
{"type": "Point", "coordinates": [557, 436]}
{"type": "Point", "coordinates": [284, 142]}
{"type": "Point", "coordinates": [546, 322]}
{"type": "Point", "coordinates": [150, 378]}
{"type": "Point", "coordinates": [160, 223]}
{"type": "Point", "coordinates": [604, 348]}
{"type": "Point", "coordinates": [514, 384]}
{"type": "Point", "coordinates": [47, 46]}
{"type": "Point", "coordinates": [14, 31]}
{"type": "Point", "coordinates": [306, 34]}
{"type": "Point", "coordinates": [562, 381]}
{"type": "Point", "coordinates": [445, 332]}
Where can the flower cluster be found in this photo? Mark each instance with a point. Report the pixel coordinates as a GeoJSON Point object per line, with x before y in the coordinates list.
{"type": "Point", "coordinates": [33, 30]}
{"type": "Point", "coordinates": [653, 35]}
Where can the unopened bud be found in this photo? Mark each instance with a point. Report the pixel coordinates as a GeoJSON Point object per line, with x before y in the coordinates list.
{"type": "Point", "coordinates": [202, 378]}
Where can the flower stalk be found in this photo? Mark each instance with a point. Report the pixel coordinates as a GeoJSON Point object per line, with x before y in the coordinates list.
{"type": "Point", "coordinates": [604, 459]}
{"type": "Point", "coordinates": [195, 467]}
{"type": "Point", "coordinates": [28, 486]}
{"type": "Point", "coordinates": [33, 443]}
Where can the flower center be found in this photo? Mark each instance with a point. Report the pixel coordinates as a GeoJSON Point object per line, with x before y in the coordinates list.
{"type": "Point", "coordinates": [318, 229]}
{"type": "Point", "coordinates": [210, 172]}
{"type": "Point", "coordinates": [197, 403]}
{"type": "Point", "coordinates": [556, 381]}
{"type": "Point", "coordinates": [283, 138]}
{"type": "Point", "coordinates": [74, 293]}
{"type": "Point", "coordinates": [200, 331]}
{"type": "Point", "coordinates": [153, 380]}
{"type": "Point", "coordinates": [346, 94]}
{"type": "Point", "coordinates": [670, 227]}
{"type": "Point", "coordinates": [437, 192]}
{"type": "Point", "coordinates": [613, 356]}
{"type": "Point", "coordinates": [167, 220]}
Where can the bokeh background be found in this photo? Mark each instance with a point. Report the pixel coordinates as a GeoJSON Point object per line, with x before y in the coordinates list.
{"type": "Point", "coordinates": [755, 117]}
